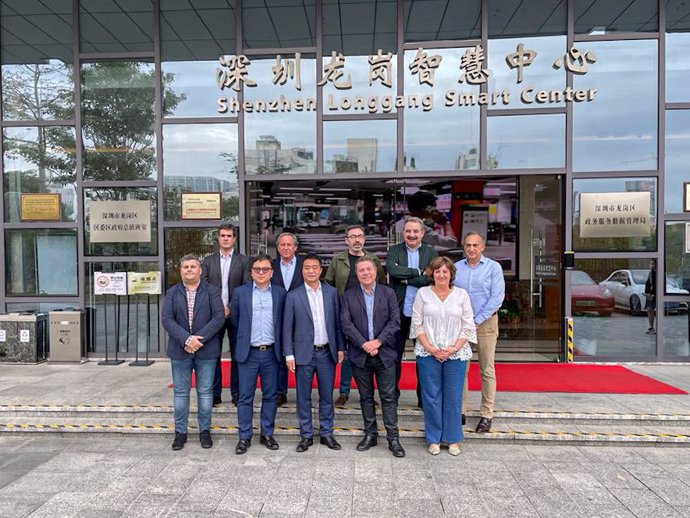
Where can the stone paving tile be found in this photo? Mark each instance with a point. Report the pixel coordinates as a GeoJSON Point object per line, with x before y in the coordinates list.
{"type": "Point", "coordinates": [145, 511]}
{"type": "Point", "coordinates": [326, 505]}
{"type": "Point", "coordinates": [644, 503]}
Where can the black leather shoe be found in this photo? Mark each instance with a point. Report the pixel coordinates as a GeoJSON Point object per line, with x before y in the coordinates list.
{"type": "Point", "coordinates": [178, 442]}
{"type": "Point", "coordinates": [304, 444]}
{"type": "Point", "coordinates": [484, 425]}
{"type": "Point", "coordinates": [330, 442]}
{"type": "Point", "coordinates": [342, 400]}
{"type": "Point", "coordinates": [281, 399]}
{"type": "Point", "coordinates": [205, 439]}
{"type": "Point", "coordinates": [235, 398]}
{"type": "Point", "coordinates": [217, 400]}
{"type": "Point", "coordinates": [464, 419]}
{"type": "Point", "coordinates": [395, 446]}
{"type": "Point", "coordinates": [269, 442]}
{"type": "Point", "coordinates": [367, 442]}
{"type": "Point", "coordinates": [242, 446]}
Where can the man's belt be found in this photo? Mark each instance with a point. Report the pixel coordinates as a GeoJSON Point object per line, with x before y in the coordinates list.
{"type": "Point", "coordinates": [320, 347]}
{"type": "Point", "coordinates": [263, 347]}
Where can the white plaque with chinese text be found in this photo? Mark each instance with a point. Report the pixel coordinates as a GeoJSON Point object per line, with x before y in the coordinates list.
{"type": "Point", "coordinates": [127, 221]}
{"type": "Point", "coordinates": [615, 214]}
{"type": "Point", "coordinates": [148, 283]}
{"type": "Point", "coordinates": [687, 238]}
{"type": "Point", "coordinates": [110, 283]}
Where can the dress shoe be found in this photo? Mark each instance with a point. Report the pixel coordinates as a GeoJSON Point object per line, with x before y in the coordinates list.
{"type": "Point", "coordinates": [330, 442]}
{"type": "Point", "coordinates": [395, 446]}
{"type": "Point", "coordinates": [484, 425]}
{"type": "Point", "coordinates": [367, 442]}
{"type": "Point", "coordinates": [269, 442]}
{"type": "Point", "coordinates": [205, 439]}
{"type": "Point", "coordinates": [454, 449]}
{"type": "Point", "coordinates": [342, 400]}
{"type": "Point", "coordinates": [434, 449]}
{"type": "Point", "coordinates": [281, 399]}
{"type": "Point", "coordinates": [217, 400]}
{"type": "Point", "coordinates": [234, 399]}
{"type": "Point", "coordinates": [242, 446]}
{"type": "Point", "coordinates": [178, 442]}
{"type": "Point", "coordinates": [464, 419]}
{"type": "Point", "coordinates": [304, 444]}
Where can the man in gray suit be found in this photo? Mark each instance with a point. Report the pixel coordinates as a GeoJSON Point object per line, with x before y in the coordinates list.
{"type": "Point", "coordinates": [226, 269]}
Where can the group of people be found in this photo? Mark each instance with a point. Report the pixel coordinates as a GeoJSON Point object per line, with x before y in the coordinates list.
{"type": "Point", "coordinates": [280, 316]}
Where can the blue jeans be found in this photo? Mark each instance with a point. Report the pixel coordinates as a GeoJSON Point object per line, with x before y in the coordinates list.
{"type": "Point", "coordinates": [441, 384]}
{"type": "Point", "coordinates": [182, 383]}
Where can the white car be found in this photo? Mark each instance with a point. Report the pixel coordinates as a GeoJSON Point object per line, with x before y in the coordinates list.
{"type": "Point", "coordinates": [627, 287]}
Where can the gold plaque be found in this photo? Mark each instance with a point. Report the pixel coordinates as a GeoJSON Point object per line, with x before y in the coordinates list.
{"type": "Point", "coordinates": [40, 207]}
{"type": "Point", "coordinates": [201, 205]}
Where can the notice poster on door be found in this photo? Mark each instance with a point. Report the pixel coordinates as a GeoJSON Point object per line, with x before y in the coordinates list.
{"type": "Point", "coordinates": [615, 214]}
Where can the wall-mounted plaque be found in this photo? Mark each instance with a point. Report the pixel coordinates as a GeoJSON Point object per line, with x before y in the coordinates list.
{"type": "Point", "coordinates": [615, 214]}
{"type": "Point", "coordinates": [148, 283]}
{"type": "Point", "coordinates": [120, 221]}
{"type": "Point", "coordinates": [686, 197]}
{"type": "Point", "coordinates": [40, 207]}
{"type": "Point", "coordinates": [201, 205]}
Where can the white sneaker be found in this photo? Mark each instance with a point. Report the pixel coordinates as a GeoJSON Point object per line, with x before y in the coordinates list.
{"type": "Point", "coordinates": [454, 449]}
{"type": "Point", "coordinates": [434, 449]}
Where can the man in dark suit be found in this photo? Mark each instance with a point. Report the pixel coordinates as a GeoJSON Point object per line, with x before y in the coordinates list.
{"type": "Point", "coordinates": [370, 319]}
{"type": "Point", "coordinates": [192, 316]}
{"type": "Point", "coordinates": [226, 269]}
{"type": "Point", "coordinates": [313, 345]}
{"type": "Point", "coordinates": [406, 263]}
{"type": "Point", "coordinates": [256, 311]}
{"type": "Point", "coordinates": [287, 273]}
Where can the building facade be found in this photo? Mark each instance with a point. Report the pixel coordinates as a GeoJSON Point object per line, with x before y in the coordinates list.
{"type": "Point", "coordinates": [560, 131]}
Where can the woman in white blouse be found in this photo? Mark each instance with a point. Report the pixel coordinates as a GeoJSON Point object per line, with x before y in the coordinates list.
{"type": "Point", "coordinates": [443, 325]}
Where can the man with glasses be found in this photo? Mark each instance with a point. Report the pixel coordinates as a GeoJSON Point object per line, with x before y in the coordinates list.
{"type": "Point", "coordinates": [341, 273]}
{"type": "Point", "coordinates": [256, 311]}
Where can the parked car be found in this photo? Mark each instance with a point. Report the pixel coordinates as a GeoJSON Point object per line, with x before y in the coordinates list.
{"type": "Point", "coordinates": [586, 296]}
{"type": "Point", "coordinates": [627, 287]}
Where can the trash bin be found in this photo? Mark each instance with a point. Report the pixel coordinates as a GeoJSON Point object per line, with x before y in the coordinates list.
{"type": "Point", "coordinates": [25, 337]}
{"type": "Point", "coordinates": [67, 336]}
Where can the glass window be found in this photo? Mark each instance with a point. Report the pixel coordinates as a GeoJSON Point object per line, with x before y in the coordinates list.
{"type": "Point", "coordinates": [677, 67]}
{"type": "Point", "coordinates": [526, 141]}
{"type": "Point", "coordinates": [41, 262]}
{"type": "Point", "coordinates": [39, 160]}
{"type": "Point", "coordinates": [110, 218]}
{"type": "Point", "coordinates": [277, 23]}
{"type": "Point", "coordinates": [116, 25]}
{"type": "Point", "coordinates": [511, 18]}
{"type": "Point", "coordinates": [677, 158]}
{"type": "Point", "coordinates": [677, 258]}
{"type": "Point", "coordinates": [676, 340]}
{"type": "Point", "coordinates": [440, 134]}
{"type": "Point", "coordinates": [182, 241]}
{"type": "Point", "coordinates": [118, 121]}
{"type": "Point", "coordinates": [359, 146]}
{"type": "Point", "coordinates": [200, 158]}
{"type": "Point", "coordinates": [37, 56]}
{"type": "Point", "coordinates": [606, 16]}
{"type": "Point", "coordinates": [431, 20]}
{"type": "Point", "coordinates": [608, 135]}
{"type": "Point", "coordinates": [192, 40]}
{"type": "Point", "coordinates": [608, 306]}
{"type": "Point", "coordinates": [280, 128]}
{"type": "Point", "coordinates": [359, 28]}
{"type": "Point", "coordinates": [614, 214]}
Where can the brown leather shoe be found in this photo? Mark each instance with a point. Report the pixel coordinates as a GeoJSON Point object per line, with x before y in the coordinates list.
{"type": "Point", "coordinates": [484, 425]}
{"type": "Point", "coordinates": [281, 399]}
{"type": "Point", "coordinates": [342, 400]}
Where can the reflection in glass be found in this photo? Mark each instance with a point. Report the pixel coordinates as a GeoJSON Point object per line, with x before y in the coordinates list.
{"type": "Point", "coordinates": [359, 28]}
{"type": "Point", "coordinates": [677, 258]}
{"type": "Point", "coordinates": [118, 121]}
{"type": "Point", "coordinates": [445, 137]}
{"type": "Point", "coordinates": [200, 158]}
{"type": "Point", "coordinates": [282, 141]}
{"type": "Point", "coordinates": [39, 160]}
{"type": "Point", "coordinates": [359, 146]}
{"type": "Point", "coordinates": [608, 135]}
{"type": "Point", "coordinates": [276, 24]}
{"type": "Point", "coordinates": [182, 241]}
{"type": "Point", "coordinates": [615, 235]}
{"type": "Point", "coordinates": [526, 141]}
{"type": "Point", "coordinates": [606, 16]}
{"type": "Point", "coordinates": [114, 26]}
{"type": "Point", "coordinates": [516, 18]}
{"type": "Point", "coordinates": [598, 332]}
{"type": "Point", "coordinates": [116, 247]}
{"type": "Point", "coordinates": [433, 20]}
{"type": "Point", "coordinates": [192, 40]}
{"type": "Point", "coordinates": [41, 262]}
{"type": "Point", "coordinates": [677, 67]}
{"type": "Point", "coordinates": [676, 339]}
{"type": "Point", "coordinates": [677, 158]}
{"type": "Point", "coordinates": [37, 56]}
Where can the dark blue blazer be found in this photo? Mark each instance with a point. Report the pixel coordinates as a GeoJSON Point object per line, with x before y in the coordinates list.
{"type": "Point", "coordinates": [241, 317]}
{"type": "Point", "coordinates": [298, 324]}
{"type": "Point", "coordinates": [208, 319]}
{"type": "Point", "coordinates": [297, 278]}
{"type": "Point", "coordinates": [353, 322]}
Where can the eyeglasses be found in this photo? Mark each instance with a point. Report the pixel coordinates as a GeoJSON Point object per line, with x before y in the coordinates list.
{"type": "Point", "coordinates": [261, 269]}
{"type": "Point", "coordinates": [356, 236]}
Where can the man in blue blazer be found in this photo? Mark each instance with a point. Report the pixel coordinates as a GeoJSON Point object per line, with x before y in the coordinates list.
{"type": "Point", "coordinates": [193, 315]}
{"type": "Point", "coordinates": [370, 319]}
{"type": "Point", "coordinates": [287, 273]}
{"type": "Point", "coordinates": [313, 344]}
{"type": "Point", "coordinates": [256, 310]}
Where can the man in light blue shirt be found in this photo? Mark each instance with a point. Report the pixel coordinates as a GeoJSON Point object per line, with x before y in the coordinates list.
{"type": "Point", "coordinates": [482, 278]}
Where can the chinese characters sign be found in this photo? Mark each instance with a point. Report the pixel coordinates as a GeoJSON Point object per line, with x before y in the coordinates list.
{"type": "Point", "coordinates": [143, 283]}
{"type": "Point", "coordinates": [127, 221]}
{"type": "Point", "coordinates": [234, 72]}
{"type": "Point", "coordinates": [110, 283]}
{"type": "Point", "coordinates": [615, 214]}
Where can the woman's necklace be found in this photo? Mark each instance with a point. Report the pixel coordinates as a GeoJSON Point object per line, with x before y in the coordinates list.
{"type": "Point", "coordinates": [442, 296]}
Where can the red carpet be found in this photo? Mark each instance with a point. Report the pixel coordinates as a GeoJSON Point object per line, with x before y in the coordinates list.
{"type": "Point", "coordinates": [540, 377]}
